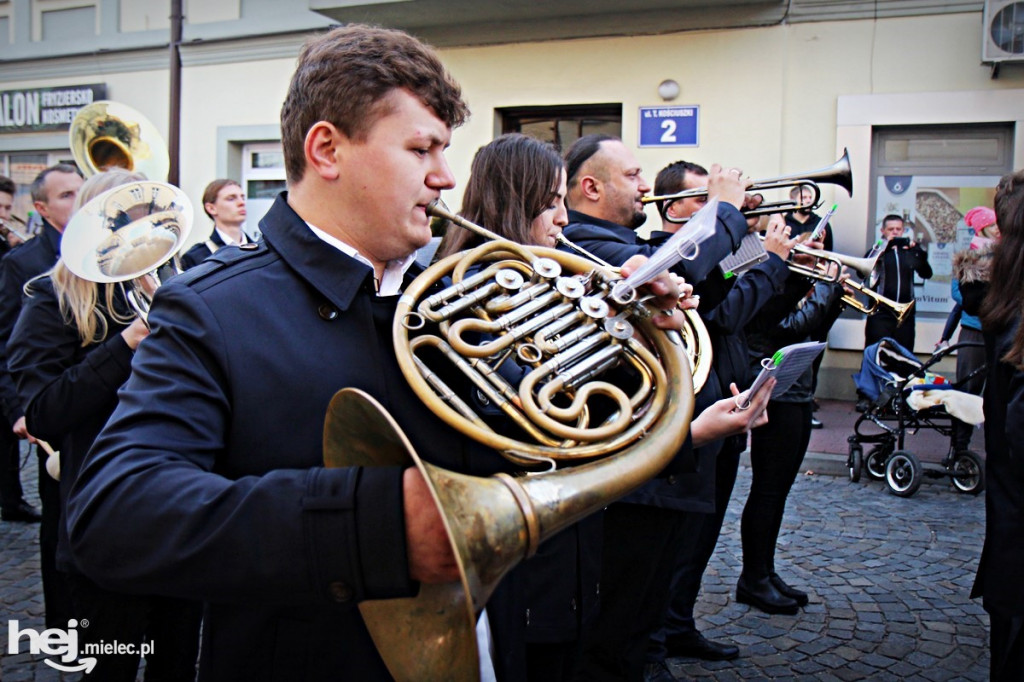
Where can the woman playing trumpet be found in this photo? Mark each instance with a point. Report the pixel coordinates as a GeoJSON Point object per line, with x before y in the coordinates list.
{"type": "Point", "coordinates": [70, 351]}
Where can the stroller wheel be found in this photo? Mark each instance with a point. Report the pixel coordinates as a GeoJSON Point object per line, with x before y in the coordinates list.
{"type": "Point", "coordinates": [874, 463]}
{"type": "Point", "coordinates": [968, 473]}
{"type": "Point", "coordinates": [903, 473]}
{"type": "Point", "coordinates": [854, 461]}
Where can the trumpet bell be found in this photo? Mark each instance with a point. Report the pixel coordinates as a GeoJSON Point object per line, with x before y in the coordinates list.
{"type": "Point", "coordinates": [127, 232]}
{"type": "Point", "coordinates": [107, 134]}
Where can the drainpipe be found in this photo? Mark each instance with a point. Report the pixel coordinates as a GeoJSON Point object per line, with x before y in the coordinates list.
{"type": "Point", "coordinates": [174, 131]}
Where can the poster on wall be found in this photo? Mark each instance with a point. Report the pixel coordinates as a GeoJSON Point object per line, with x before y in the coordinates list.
{"type": "Point", "coordinates": [934, 207]}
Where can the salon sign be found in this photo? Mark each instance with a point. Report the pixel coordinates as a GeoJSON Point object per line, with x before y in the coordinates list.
{"type": "Point", "coordinates": [45, 109]}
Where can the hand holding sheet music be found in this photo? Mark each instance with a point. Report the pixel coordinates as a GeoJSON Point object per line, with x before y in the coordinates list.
{"type": "Point", "coordinates": [785, 366]}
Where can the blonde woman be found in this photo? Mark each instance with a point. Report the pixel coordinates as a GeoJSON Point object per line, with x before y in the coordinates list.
{"type": "Point", "coordinates": [70, 351]}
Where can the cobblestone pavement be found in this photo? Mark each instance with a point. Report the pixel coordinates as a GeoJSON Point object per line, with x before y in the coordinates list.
{"type": "Point", "coordinates": [889, 580]}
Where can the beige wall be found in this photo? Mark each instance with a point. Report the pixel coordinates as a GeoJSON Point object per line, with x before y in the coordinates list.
{"type": "Point", "coordinates": [773, 100]}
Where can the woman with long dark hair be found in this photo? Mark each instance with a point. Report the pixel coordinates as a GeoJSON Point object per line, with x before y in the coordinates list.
{"type": "Point", "coordinates": [69, 353]}
{"type": "Point", "coordinates": [1002, 558]}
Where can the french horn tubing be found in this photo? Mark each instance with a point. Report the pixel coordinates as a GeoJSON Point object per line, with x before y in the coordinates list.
{"type": "Point", "coordinates": [602, 390]}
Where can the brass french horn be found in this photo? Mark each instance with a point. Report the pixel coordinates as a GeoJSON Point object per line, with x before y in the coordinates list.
{"type": "Point", "coordinates": [570, 323]}
{"type": "Point", "coordinates": [126, 233]}
{"type": "Point", "coordinates": [108, 134]}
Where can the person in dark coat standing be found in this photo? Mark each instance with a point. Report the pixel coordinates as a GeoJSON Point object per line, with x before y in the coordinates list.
{"type": "Point", "coordinates": [69, 353]}
{"type": "Point", "coordinates": [901, 259]}
{"type": "Point", "coordinates": [13, 506]}
{"type": "Point", "coordinates": [1002, 557]}
{"type": "Point", "coordinates": [53, 195]}
{"type": "Point", "coordinates": [224, 204]}
{"type": "Point", "coordinates": [642, 531]}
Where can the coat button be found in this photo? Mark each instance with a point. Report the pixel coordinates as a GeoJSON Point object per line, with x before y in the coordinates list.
{"type": "Point", "coordinates": [327, 312]}
{"type": "Point", "coordinates": [340, 591]}
{"type": "Point", "coordinates": [672, 479]}
{"type": "Point", "coordinates": [572, 604]}
{"type": "Point", "coordinates": [249, 246]}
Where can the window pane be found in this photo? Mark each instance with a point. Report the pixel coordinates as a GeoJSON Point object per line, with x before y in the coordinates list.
{"type": "Point", "coordinates": [542, 130]}
{"type": "Point", "coordinates": [267, 159]}
{"type": "Point", "coordinates": [925, 151]}
{"type": "Point", "coordinates": [264, 189]}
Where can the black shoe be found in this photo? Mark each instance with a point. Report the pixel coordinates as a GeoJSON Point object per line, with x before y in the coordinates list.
{"type": "Point", "coordinates": [658, 672]}
{"type": "Point", "coordinates": [22, 511]}
{"type": "Point", "coordinates": [816, 423]}
{"type": "Point", "coordinates": [814, 405]}
{"type": "Point", "coordinates": [695, 645]}
{"type": "Point", "coordinates": [761, 594]}
{"type": "Point", "coordinates": [799, 596]}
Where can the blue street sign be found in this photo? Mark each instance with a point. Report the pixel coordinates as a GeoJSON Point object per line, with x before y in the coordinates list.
{"type": "Point", "coordinates": [668, 126]}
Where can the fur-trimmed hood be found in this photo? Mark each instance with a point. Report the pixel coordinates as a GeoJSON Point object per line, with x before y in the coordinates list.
{"type": "Point", "coordinates": [972, 265]}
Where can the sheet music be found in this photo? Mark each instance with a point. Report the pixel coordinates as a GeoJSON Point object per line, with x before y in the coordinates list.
{"type": "Point", "coordinates": [750, 253]}
{"type": "Point", "coordinates": [786, 366]}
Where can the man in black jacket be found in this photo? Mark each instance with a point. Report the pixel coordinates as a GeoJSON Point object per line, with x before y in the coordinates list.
{"type": "Point", "coordinates": [224, 204]}
{"type": "Point", "coordinates": [643, 531]}
{"type": "Point", "coordinates": [900, 260]}
{"type": "Point", "coordinates": [53, 194]}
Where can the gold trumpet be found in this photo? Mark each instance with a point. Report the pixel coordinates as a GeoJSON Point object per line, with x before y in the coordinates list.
{"type": "Point", "coordinates": [839, 173]}
{"type": "Point", "coordinates": [557, 313]}
{"type": "Point", "coordinates": [864, 267]}
{"type": "Point", "coordinates": [108, 134]}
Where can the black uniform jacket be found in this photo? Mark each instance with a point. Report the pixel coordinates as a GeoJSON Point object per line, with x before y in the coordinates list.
{"type": "Point", "coordinates": [21, 264]}
{"type": "Point", "coordinates": [1002, 557]}
{"type": "Point", "coordinates": [615, 243]}
{"type": "Point", "coordinates": [201, 251]}
{"type": "Point", "coordinates": [207, 482]}
{"type": "Point", "coordinates": [69, 391]}
{"type": "Point", "coordinates": [807, 322]}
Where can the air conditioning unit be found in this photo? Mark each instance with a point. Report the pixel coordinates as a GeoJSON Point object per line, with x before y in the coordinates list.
{"type": "Point", "coordinates": [1002, 37]}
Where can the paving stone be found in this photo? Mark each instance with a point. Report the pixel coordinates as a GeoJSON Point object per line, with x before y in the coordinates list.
{"type": "Point", "coordinates": [889, 580]}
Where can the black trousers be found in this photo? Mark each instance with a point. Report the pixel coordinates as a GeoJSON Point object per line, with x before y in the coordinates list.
{"type": "Point", "coordinates": [11, 492]}
{"type": "Point", "coordinates": [776, 452]}
{"type": "Point", "coordinates": [883, 324]}
{"type": "Point", "coordinates": [968, 360]}
{"type": "Point", "coordinates": [56, 592]}
{"type": "Point", "coordinates": [170, 626]}
{"type": "Point", "coordinates": [694, 553]}
{"type": "Point", "coordinates": [636, 571]}
{"type": "Point", "coordinates": [1007, 648]}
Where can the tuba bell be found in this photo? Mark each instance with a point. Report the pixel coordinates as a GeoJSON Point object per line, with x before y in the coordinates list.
{"type": "Point", "coordinates": [584, 438]}
{"type": "Point", "coordinates": [108, 134]}
{"type": "Point", "coordinates": [128, 233]}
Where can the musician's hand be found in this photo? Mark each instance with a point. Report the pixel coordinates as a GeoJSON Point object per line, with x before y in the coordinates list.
{"type": "Point", "coordinates": [20, 430]}
{"type": "Point", "coordinates": [134, 333]}
{"type": "Point", "coordinates": [776, 237]}
{"type": "Point", "coordinates": [664, 289]}
{"type": "Point", "coordinates": [431, 559]}
{"type": "Point", "coordinates": [728, 185]}
{"type": "Point", "coordinates": [750, 202]}
{"type": "Point", "coordinates": [723, 418]}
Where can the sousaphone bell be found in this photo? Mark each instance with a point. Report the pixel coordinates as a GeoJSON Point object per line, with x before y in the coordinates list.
{"type": "Point", "coordinates": [108, 134]}
{"type": "Point", "coordinates": [126, 233]}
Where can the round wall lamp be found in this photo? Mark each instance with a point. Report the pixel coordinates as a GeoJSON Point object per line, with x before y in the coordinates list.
{"type": "Point", "coordinates": [668, 89]}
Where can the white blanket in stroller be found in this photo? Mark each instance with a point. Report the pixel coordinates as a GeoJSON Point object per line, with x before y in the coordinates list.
{"type": "Point", "coordinates": [963, 406]}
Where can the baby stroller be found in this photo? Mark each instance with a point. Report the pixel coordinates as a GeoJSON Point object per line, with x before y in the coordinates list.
{"type": "Point", "coordinates": [895, 382]}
